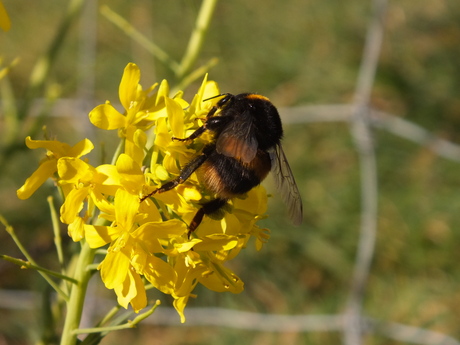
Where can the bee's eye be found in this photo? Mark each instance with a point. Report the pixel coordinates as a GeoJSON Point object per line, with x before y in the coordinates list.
{"type": "Point", "coordinates": [224, 100]}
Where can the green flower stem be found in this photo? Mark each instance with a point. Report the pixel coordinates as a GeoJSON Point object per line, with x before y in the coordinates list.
{"type": "Point", "coordinates": [182, 70]}
{"type": "Point", "coordinates": [154, 157]}
{"type": "Point", "coordinates": [29, 265]}
{"type": "Point", "coordinates": [93, 267]}
{"type": "Point", "coordinates": [109, 316]}
{"type": "Point", "coordinates": [118, 151]}
{"type": "Point", "coordinates": [31, 262]}
{"type": "Point", "coordinates": [196, 39]}
{"type": "Point", "coordinates": [57, 233]}
{"type": "Point", "coordinates": [95, 338]}
{"type": "Point", "coordinates": [9, 106]}
{"type": "Point", "coordinates": [194, 75]}
{"type": "Point", "coordinates": [77, 295]}
{"type": "Point", "coordinates": [129, 30]}
{"type": "Point", "coordinates": [101, 251]}
{"type": "Point", "coordinates": [129, 324]}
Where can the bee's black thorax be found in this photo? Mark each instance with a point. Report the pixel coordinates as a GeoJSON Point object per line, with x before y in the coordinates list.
{"type": "Point", "coordinates": [256, 111]}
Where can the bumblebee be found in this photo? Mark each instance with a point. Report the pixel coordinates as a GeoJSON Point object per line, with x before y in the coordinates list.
{"type": "Point", "coordinates": [246, 146]}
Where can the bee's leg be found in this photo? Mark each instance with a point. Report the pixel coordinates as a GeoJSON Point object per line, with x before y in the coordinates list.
{"type": "Point", "coordinates": [208, 208]}
{"type": "Point", "coordinates": [212, 111]}
{"type": "Point", "coordinates": [200, 130]}
{"type": "Point", "coordinates": [214, 124]}
{"type": "Point", "coordinates": [219, 104]}
{"type": "Point", "coordinates": [184, 175]}
{"type": "Point", "coordinates": [194, 135]}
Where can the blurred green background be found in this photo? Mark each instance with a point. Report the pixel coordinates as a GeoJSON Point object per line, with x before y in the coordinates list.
{"type": "Point", "coordinates": [296, 52]}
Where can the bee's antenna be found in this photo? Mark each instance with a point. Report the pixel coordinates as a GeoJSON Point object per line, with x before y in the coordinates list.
{"type": "Point", "coordinates": [222, 94]}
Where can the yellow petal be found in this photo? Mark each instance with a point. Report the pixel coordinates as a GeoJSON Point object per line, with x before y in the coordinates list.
{"type": "Point", "coordinates": [160, 172]}
{"type": "Point", "coordinates": [169, 229]}
{"type": "Point", "coordinates": [76, 229]}
{"type": "Point", "coordinates": [126, 207]}
{"type": "Point", "coordinates": [149, 212]}
{"type": "Point", "coordinates": [187, 277]}
{"type": "Point", "coordinates": [170, 164]}
{"type": "Point", "coordinates": [162, 135]}
{"type": "Point", "coordinates": [74, 170]}
{"type": "Point", "coordinates": [107, 174]}
{"type": "Point", "coordinates": [197, 101]}
{"type": "Point", "coordinates": [163, 91]}
{"type": "Point", "coordinates": [98, 236]}
{"type": "Point", "coordinates": [255, 202]}
{"type": "Point", "coordinates": [136, 140]}
{"type": "Point", "coordinates": [127, 165]}
{"type": "Point", "coordinates": [231, 225]}
{"type": "Point", "coordinates": [101, 202]}
{"type": "Point", "coordinates": [114, 268]}
{"type": "Point", "coordinates": [160, 274]}
{"type": "Point", "coordinates": [222, 279]}
{"type": "Point", "coordinates": [60, 149]}
{"type": "Point", "coordinates": [216, 242]}
{"type": "Point", "coordinates": [82, 148]}
{"type": "Point", "coordinates": [44, 171]}
{"type": "Point", "coordinates": [186, 246]}
{"type": "Point", "coordinates": [191, 193]}
{"type": "Point", "coordinates": [176, 117]}
{"type": "Point", "coordinates": [207, 91]}
{"type": "Point", "coordinates": [106, 179]}
{"type": "Point", "coordinates": [179, 304]}
{"type": "Point", "coordinates": [211, 89]}
{"type": "Point", "coordinates": [131, 176]}
{"type": "Point", "coordinates": [73, 204]}
{"type": "Point", "coordinates": [177, 203]}
{"type": "Point", "coordinates": [229, 255]}
{"type": "Point", "coordinates": [150, 234]}
{"type": "Point", "coordinates": [5, 22]}
{"type": "Point", "coordinates": [132, 291]}
{"type": "Point", "coordinates": [105, 116]}
{"type": "Point", "coordinates": [129, 85]}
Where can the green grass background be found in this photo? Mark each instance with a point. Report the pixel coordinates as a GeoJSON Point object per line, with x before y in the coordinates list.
{"type": "Point", "coordinates": [296, 52]}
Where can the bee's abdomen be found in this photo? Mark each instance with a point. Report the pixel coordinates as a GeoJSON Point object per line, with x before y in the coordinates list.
{"type": "Point", "coordinates": [228, 177]}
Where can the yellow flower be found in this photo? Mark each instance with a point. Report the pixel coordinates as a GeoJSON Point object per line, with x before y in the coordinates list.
{"type": "Point", "coordinates": [80, 180]}
{"type": "Point", "coordinates": [140, 109]}
{"type": "Point", "coordinates": [149, 239]}
{"type": "Point", "coordinates": [5, 22]}
{"type": "Point", "coordinates": [48, 166]}
{"type": "Point", "coordinates": [132, 251]}
{"type": "Point", "coordinates": [117, 271]}
{"type": "Point", "coordinates": [131, 176]}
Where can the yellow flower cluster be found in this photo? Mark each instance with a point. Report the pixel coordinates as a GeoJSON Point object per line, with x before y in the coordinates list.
{"type": "Point", "coordinates": [147, 241]}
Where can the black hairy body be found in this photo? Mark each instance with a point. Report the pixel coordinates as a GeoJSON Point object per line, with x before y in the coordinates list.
{"type": "Point", "coordinates": [246, 146]}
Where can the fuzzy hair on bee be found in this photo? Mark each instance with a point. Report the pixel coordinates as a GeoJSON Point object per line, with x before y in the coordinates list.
{"type": "Point", "coordinates": [246, 146]}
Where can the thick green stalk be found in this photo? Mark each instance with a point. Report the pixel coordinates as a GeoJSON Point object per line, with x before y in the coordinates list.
{"type": "Point", "coordinates": [77, 295]}
{"type": "Point", "coordinates": [136, 35]}
{"type": "Point", "coordinates": [196, 40]}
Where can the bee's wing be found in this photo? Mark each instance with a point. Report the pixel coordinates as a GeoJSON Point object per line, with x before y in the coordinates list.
{"type": "Point", "coordinates": [238, 140]}
{"type": "Point", "coordinates": [285, 183]}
